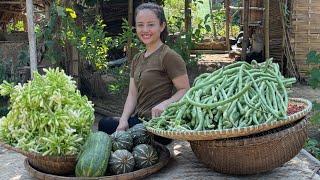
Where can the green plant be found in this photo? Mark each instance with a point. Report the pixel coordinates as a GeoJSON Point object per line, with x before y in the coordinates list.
{"type": "Point", "coordinates": [312, 145]}
{"type": "Point", "coordinates": [128, 32]}
{"type": "Point", "coordinates": [64, 28]}
{"type": "Point", "coordinates": [17, 26]}
{"type": "Point", "coordinates": [48, 115]}
{"type": "Point", "coordinates": [313, 57]}
{"type": "Point", "coordinates": [5, 67]}
{"type": "Point", "coordinates": [9, 71]}
{"type": "Point", "coordinates": [121, 79]}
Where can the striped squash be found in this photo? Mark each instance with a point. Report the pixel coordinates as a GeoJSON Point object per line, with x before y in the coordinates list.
{"type": "Point", "coordinates": [121, 140]}
{"type": "Point", "coordinates": [94, 157]}
{"type": "Point", "coordinates": [140, 135]}
{"type": "Point", "coordinates": [144, 155]}
{"type": "Point", "coordinates": [121, 161]}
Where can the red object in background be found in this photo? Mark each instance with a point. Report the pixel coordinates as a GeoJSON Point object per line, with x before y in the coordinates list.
{"type": "Point", "coordinates": [294, 109]}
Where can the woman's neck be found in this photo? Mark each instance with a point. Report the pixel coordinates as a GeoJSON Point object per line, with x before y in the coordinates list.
{"type": "Point", "coordinates": [152, 48]}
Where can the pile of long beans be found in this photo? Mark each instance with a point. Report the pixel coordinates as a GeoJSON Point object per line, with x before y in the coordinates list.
{"type": "Point", "coordinates": [236, 95]}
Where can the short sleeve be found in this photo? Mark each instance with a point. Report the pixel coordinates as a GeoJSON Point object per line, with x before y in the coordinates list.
{"type": "Point", "coordinates": [133, 64]}
{"type": "Point", "coordinates": [174, 64]}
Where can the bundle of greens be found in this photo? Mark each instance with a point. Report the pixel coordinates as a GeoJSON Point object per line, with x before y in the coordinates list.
{"type": "Point", "coordinates": [48, 115]}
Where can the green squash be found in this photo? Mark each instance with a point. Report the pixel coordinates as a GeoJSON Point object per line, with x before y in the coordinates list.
{"type": "Point", "coordinates": [121, 140]}
{"type": "Point", "coordinates": [140, 135]}
{"type": "Point", "coordinates": [94, 157]}
{"type": "Point", "coordinates": [121, 161]}
{"type": "Point", "coordinates": [145, 155]}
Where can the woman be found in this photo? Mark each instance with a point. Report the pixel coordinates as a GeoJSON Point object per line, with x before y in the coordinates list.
{"type": "Point", "coordinates": [154, 73]}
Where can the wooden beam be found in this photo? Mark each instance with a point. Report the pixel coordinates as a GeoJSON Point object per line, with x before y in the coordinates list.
{"type": "Point", "coordinates": [245, 41]}
{"type": "Point", "coordinates": [227, 2]}
{"type": "Point", "coordinates": [251, 8]}
{"type": "Point", "coordinates": [18, 2]}
{"type": "Point", "coordinates": [266, 29]}
{"type": "Point", "coordinates": [31, 37]}
{"type": "Point", "coordinates": [130, 24]}
{"type": "Point", "coordinates": [11, 11]}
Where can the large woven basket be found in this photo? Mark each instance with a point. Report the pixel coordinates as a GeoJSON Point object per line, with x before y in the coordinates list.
{"type": "Point", "coordinates": [164, 157]}
{"type": "Point", "coordinates": [59, 165]}
{"type": "Point", "coordinates": [236, 132]}
{"type": "Point", "coordinates": [255, 153]}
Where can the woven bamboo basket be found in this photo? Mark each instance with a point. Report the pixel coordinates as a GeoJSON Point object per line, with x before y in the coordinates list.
{"type": "Point", "coordinates": [164, 157]}
{"type": "Point", "coordinates": [236, 132]}
{"type": "Point", "coordinates": [255, 153]}
{"type": "Point", "coordinates": [60, 165]}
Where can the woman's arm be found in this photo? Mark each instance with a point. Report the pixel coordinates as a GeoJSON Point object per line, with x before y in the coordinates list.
{"type": "Point", "coordinates": [182, 85]}
{"type": "Point", "coordinates": [129, 106]}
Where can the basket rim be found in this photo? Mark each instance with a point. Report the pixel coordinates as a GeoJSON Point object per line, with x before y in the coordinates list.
{"type": "Point", "coordinates": [34, 155]}
{"type": "Point", "coordinates": [235, 132]}
{"type": "Point", "coordinates": [249, 141]}
{"type": "Point", "coordinates": [138, 174]}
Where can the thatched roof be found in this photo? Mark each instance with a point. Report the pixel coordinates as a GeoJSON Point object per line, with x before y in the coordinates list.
{"type": "Point", "coordinates": [15, 10]}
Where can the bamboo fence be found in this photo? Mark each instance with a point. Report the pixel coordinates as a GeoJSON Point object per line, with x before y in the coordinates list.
{"type": "Point", "coordinates": [305, 32]}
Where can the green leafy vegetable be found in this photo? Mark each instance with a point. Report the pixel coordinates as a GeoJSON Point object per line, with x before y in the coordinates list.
{"type": "Point", "coordinates": [47, 115]}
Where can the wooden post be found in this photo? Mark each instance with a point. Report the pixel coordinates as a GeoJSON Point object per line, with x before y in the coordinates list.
{"type": "Point", "coordinates": [31, 37]}
{"type": "Point", "coordinates": [130, 24]}
{"type": "Point", "coordinates": [266, 29]}
{"type": "Point", "coordinates": [25, 23]}
{"type": "Point", "coordinates": [47, 13]}
{"type": "Point", "coordinates": [227, 2]}
{"type": "Point", "coordinates": [75, 66]}
{"type": "Point", "coordinates": [245, 41]}
{"type": "Point", "coordinates": [187, 15]}
{"type": "Point", "coordinates": [187, 11]}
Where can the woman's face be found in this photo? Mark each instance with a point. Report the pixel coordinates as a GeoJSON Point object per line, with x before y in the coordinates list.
{"type": "Point", "coordinates": [148, 27]}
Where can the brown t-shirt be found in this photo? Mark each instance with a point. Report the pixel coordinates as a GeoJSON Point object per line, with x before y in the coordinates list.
{"type": "Point", "coordinates": [153, 77]}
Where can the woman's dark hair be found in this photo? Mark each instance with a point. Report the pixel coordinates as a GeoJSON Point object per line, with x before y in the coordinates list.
{"type": "Point", "coordinates": [158, 10]}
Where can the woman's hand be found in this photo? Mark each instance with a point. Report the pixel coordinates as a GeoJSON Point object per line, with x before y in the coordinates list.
{"type": "Point", "coordinates": [123, 125]}
{"type": "Point", "coordinates": [158, 109]}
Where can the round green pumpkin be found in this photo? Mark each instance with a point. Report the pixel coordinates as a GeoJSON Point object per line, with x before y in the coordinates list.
{"type": "Point", "coordinates": [144, 155]}
{"type": "Point", "coordinates": [140, 135]}
{"type": "Point", "coordinates": [121, 140]}
{"type": "Point", "coordinates": [121, 161]}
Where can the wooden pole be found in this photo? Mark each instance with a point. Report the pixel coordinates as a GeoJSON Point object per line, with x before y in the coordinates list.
{"type": "Point", "coordinates": [245, 41]}
{"type": "Point", "coordinates": [187, 11]}
{"type": "Point", "coordinates": [31, 37]}
{"type": "Point", "coordinates": [227, 2]}
{"type": "Point", "coordinates": [75, 66]}
{"type": "Point", "coordinates": [130, 24]}
{"type": "Point", "coordinates": [25, 23]}
{"type": "Point", "coordinates": [266, 29]}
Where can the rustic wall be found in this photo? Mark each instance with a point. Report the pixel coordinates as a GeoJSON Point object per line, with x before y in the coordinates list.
{"type": "Point", "coordinates": [305, 31]}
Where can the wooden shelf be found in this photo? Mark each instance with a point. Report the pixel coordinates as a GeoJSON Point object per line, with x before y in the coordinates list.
{"type": "Point", "coordinates": [252, 8]}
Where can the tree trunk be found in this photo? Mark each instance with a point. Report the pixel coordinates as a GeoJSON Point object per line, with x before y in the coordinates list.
{"type": "Point", "coordinates": [31, 37]}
